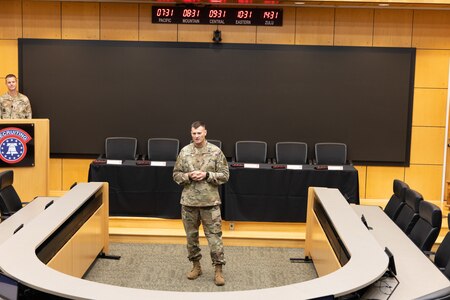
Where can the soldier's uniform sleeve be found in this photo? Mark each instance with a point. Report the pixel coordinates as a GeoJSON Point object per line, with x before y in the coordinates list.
{"type": "Point", "coordinates": [179, 175]}
{"type": "Point", "coordinates": [1, 106]}
{"type": "Point", "coordinates": [27, 109]}
{"type": "Point", "coordinates": [222, 173]}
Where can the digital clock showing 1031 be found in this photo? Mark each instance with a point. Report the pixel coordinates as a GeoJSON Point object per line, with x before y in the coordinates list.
{"type": "Point", "coordinates": [217, 16]}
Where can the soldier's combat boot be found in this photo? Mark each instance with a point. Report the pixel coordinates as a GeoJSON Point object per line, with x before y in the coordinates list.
{"type": "Point", "coordinates": [196, 271]}
{"type": "Point", "coordinates": [218, 276]}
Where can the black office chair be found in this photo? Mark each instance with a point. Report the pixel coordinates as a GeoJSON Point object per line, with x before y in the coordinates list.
{"type": "Point", "coordinates": [409, 213]}
{"type": "Point", "coordinates": [124, 148]}
{"type": "Point", "coordinates": [397, 200]}
{"type": "Point", "coordinates": [251, 151]}
{"type": "Point", "coordinates": [446, 272]}
{"type": "Point", "coordinates": [163, 149]}
{"type": "Point", "coordinates": [9, 199]}
{"type": "Point", "coordinates": [330, 153]}
{"type": "Point", "coordinates": [292, 153]}
{"type": "Point", "coordinates": [426, 230]}
{"type": "Point", "coordinates": [216, 142]}
{"type": "Point", "coordinates": [442, 255]}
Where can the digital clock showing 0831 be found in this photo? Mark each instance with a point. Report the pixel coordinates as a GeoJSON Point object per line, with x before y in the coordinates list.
{"type": "Point", "coordinates": [191, 13]}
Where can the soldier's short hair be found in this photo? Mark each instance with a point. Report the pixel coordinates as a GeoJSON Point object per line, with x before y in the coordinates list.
{"type": "Point", "coordinates": [10, 76]}
{"type": "Point", "coordinates": [197, 124]}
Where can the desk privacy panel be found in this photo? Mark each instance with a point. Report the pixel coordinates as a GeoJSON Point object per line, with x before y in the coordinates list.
{"type": "Point", "coordinates": [361, 96]}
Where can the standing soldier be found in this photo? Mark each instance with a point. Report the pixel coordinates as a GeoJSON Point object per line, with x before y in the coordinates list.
{"type": "Point", "coordinates": [201, 167]}
{"type": "Point", "coordinates": [13, 104]}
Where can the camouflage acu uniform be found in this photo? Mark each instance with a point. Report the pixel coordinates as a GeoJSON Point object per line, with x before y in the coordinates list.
{"type": "Point", "coordinates": [15, 107]}
{"type": "Point", "coordinates": [200, 200]}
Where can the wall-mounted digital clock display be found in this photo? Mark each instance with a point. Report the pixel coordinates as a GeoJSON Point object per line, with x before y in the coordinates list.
{"type": "Point", "coordinates": [217, 16]}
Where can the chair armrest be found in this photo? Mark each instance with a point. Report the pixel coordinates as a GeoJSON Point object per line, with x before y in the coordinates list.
{"type": "Point", "coordinates": [430, 254]}
{"type": "Point", "coordinates": [5, 216]}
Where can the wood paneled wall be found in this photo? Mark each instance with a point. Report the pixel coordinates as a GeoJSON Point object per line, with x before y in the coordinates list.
{"type": "Point", "coordinates": [426, 30]}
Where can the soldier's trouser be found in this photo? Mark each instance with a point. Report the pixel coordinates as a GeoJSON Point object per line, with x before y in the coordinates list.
{"type": "Point", "coordinates": [212, 225]}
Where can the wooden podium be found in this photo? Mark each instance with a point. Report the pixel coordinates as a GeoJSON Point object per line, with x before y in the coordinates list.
{"type": "Point", "coordinates": [30, 182]}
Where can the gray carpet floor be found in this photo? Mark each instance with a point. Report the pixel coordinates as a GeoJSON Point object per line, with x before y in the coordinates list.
{"type": "Point", "coordinates": [164, 267]}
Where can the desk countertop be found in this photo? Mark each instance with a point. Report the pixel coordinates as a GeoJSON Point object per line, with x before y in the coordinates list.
{"type": "Point", "coordinates": [23, 216]}
{"type": "Point", "coordinates": [417, 275]}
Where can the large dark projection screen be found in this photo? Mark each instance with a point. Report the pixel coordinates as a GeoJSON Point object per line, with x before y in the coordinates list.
{"type": "Point", "coordinates": [90, 90]}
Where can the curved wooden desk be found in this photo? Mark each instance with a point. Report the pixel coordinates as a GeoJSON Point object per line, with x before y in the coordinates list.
{"type": "Point", "coordinates": [18, 259]}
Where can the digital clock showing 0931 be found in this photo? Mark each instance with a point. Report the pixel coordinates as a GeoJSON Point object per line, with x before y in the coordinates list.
{"type": "Point", "coordinates": [215, 15]}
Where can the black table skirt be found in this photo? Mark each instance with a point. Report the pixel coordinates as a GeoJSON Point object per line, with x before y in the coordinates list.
{"type": "Point", "coordinates": [140, 191]}
{"type": "Point", "coordinates": [265, 194]}
{"type": "Point", "coordinates": [273, 195]}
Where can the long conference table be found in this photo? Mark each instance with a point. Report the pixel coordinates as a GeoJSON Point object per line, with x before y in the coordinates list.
{"type": "Point", "coordinates": [330, 219]}
{"type": "Point", "coordinates": [268, 193]}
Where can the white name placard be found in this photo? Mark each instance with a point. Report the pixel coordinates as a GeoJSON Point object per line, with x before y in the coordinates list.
{"type": "Point", "coordinates": [336, 168]}
{"type": "Point", "coordinates": [158, 163]}
{"type": "Point", "coordinates": [113, 162]}
{"type": "Point", "coordinates": [251, 166]}
{"type": "Point", "coordinates": [294, 167]}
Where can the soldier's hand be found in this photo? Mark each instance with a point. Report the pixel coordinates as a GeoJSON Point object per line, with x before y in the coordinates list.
{"type": "Point", "coordinates": [197, 175]}
{"type": "Point", "coordinates": [193, 175]}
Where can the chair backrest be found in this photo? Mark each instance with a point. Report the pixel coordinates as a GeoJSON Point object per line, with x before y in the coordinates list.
{"type": "Point", "coordinates": [331, 153]}
{"type": "Point", "coordinates": [447, 271]}
{"type": "Point", "coordinates": [216, 142]}
{"type": "Point", "coordinates": [409, 213]}
{"type": "Point", "coordinates": [251, 151]}
{"type": "Point", "coordinates": [395, 204]}
{"type": "Point", "coordinates": [294, 153]}
{"type": "Point", "coordinates": [9, 199]}
{"type": "Point", "coordinates": [442, 256]}
{"type": "Point", "coordinates": [163, 149]}
{"type": "Point", "coordinates": [426, 230]}
{"type": "Point", "coordinates": [124, 148]}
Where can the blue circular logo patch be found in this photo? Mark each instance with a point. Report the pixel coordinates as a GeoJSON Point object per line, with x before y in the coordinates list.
{"type": "Point", "coordinates": [13, 144]}
{"type": "Point", "coordinates": [12, 149]}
